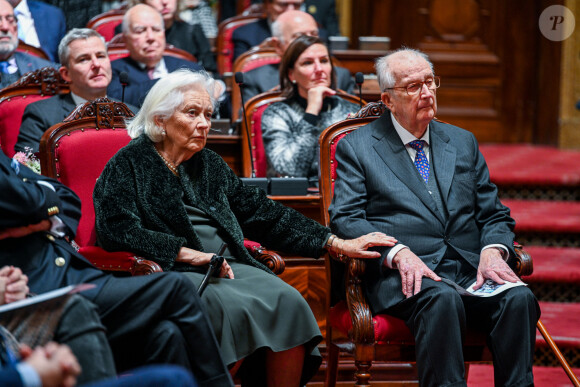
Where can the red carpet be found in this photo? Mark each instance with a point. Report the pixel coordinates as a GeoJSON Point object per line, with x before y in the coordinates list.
{"type": "Point", "coordinates": [562, 320]}
{"type": "Point", "coordinates": [524, 164]}
{"type": "Point", "coordinates": [482, 376]}
{"type": "Point", "coordinates": [549, 261]}
{"type": "Point", "coordinates": [545, 216]}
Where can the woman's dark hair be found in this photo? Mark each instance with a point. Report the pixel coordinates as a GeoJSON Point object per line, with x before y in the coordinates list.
{"type": "Point", "coordinates": [294, 50]}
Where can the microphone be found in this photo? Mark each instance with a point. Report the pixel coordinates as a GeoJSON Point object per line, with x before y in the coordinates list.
{"type": "Point", "coordinates": [260, 182]}
{"type": "Point", "coordinates": [359, 80]}
{"type": "Point", "coordinates": [124, 79]}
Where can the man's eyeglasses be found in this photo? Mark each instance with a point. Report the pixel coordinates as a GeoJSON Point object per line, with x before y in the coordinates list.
{"type": "Point", "coordinates": [416, 87]}
{"type": "Point", "coordinates": [286, 4]}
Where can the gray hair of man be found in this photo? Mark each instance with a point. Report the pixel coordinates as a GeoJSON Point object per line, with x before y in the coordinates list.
{"type": "Point", "coordinates": [71, 36]}
{"type": "Point", "coordinates": [277, 31]}
{"type": "Point", "coordinates": [385, 74]}
{"type": "Point", "coordinates": [164, 99]}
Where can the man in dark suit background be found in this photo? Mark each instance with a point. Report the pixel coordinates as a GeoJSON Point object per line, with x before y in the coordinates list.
{"type": "Point", "coordinates": [285, 29]}
{"type": "Point", "coordinates": [144, 34]}
{"type": "Point", "coordinates": [86, 66]}
{"type": "Point", "coordinates": [40, 25]}
{"type": "Point", "coordinates": [324, 12]}
{"type": "Point", "coordinates": [14, 64]}
{"type": "Point", "coordinates": [426, 183]}
{"type": "Point", "coordinates": [149, 319]}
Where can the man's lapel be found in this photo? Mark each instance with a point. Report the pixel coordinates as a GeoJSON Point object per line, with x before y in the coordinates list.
{"type": "Point", "coordinates": [443, 159]}
{"type": "Point", "coordinates": [392, 151]}
{"type": "Point", "coordinates": [67, 105]}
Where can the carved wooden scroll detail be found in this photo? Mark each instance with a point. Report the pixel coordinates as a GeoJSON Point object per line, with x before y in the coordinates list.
{"type": "Point", "coordinates": [104, 110]}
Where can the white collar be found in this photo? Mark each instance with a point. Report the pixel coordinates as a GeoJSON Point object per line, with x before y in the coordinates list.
{"type": "Point", "coordinates": [405, 135]}
{"type": "Point", "coordinates": [22, 8]}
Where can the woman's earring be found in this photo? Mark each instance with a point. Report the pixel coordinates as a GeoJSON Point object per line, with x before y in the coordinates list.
{"type": "Point", "coordinates": [294, 81]}
{"type": "Point", "coordinates": [163, 132]}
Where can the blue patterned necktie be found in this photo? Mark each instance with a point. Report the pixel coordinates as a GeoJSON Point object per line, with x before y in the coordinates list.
{"type": "Point", "coordinates": [4, 67]}
{"type": "Point", "coordinates": [421, 161]}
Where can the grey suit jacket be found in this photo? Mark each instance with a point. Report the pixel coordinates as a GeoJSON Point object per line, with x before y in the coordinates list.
{"type": "Point", "coordinates": [264, 78]}
{"type": "Point", "coordinates": [25, 63]}
{"type": "Point", "coordinates": [41, 115]}
{"type": "Point", "coordinates": [378, 188]}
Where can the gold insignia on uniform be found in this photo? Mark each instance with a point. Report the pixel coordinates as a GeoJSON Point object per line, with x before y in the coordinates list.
{"type": "Point", "coordinates": [312, 9]}
{"type": "Point", "coordinates": [53, 211]}
{"type": "Point", "coordinates": [59, 261]}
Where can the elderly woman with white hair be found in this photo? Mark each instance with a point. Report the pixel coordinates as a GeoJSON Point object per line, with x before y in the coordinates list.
{"type": "Point", "coordinates": [166, 197]}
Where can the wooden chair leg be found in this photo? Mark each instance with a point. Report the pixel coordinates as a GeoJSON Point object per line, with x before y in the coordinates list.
{"type": "Point", "coordinates": [331, 365]}
{"type": "Point", "coordinates": [362, 374]}
{"type": "Point", "coordinates": [558, 353]}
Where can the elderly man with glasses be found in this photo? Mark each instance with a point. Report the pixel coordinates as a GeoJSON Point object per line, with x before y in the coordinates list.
{"type": "Point", "coordinates": [14, 64]}
{"type": "Point", "coordinates": [426, 183]}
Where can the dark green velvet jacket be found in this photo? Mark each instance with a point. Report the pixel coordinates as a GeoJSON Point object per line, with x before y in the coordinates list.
{"type": "Point", "coordinates": [139, 208]}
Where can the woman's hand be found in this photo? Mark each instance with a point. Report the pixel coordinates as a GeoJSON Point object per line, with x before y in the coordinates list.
{"type": "Point", "coordinates": [358, 248]}
{"type": "Point", "coordinates": [198, 258]}
{"type": "Point", "coordinates": [315, 98]}
{"type": "Point", "coordinates": [226, 271]}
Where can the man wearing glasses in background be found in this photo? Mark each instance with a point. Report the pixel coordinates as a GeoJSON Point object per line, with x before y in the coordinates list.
{"type": "Point", "coordinates": [426, 183]}
{"type": "Point", "coordinates": [14, 64]}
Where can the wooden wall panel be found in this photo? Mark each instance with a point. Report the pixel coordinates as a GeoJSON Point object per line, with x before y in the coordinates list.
{"type": "Point", "coordinates": [500, 76]}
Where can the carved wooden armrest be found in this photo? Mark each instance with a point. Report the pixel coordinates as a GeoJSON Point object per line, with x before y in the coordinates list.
{"type": "Point", "coordinates": [119, 261]}
{"type": "Point", "coordinates": [363, 331]}
{"type": "Point", "coordinates": [523, 265]}
{"type": "Point", "coordinates": [272, 260]}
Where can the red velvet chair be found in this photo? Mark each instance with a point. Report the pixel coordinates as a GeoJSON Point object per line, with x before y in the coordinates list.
{"type": "Point", "coordinates": [31, 50]}
{"type": "Point", "coordinates": [106, 22]}
{"type": "Point", "coordinates": [259, 56]}
{"type": "Point", "coordinates": [76, 151]}
{"type": "Point", "coordinates": [350, 325]}
{"type": "Point", "coordinates": [31, 87]}
{"type": "Point", "coordinates": [224, 44]}
{"type": "Point", "coordinates": [254, 109]}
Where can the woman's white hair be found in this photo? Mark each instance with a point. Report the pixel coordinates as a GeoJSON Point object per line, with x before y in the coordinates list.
{"type": "Point", "coordinates": [165, 97]}
{"type": "Point", "coordinates": [385, 74]}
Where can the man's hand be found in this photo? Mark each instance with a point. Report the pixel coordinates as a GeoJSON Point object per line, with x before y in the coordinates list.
{"type": "Point", "coordinates": [492, 266]}
{"type": "Point", "coordinates": [19, 232]}
{"type": "Point", "coordinates": [13, 285]}
{"type": "Point", "coordinates": [55, 364]}
{"type": "Point", "coordinates": [412, 271]}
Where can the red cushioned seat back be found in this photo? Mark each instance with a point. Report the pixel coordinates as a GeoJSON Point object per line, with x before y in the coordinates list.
{"type": "Point", "coordinates": [80, 158]}
{"type": "Point", "coordinates": [106, 23]}
{"type": "Point", "coordinates": [224, 43]}
{"type": "Point", "coordinates": [254, 110]}
{"type": "Point", "coordinates": [250, 60]}
{"type": "Point", "coordinates": [31, 87]}
{"type": "Point", "coordinates": [76, 151]}
{"type": "Point", "coordinates": [260, 61]}
{"type": "Point", "coordinates": [11, 110]}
